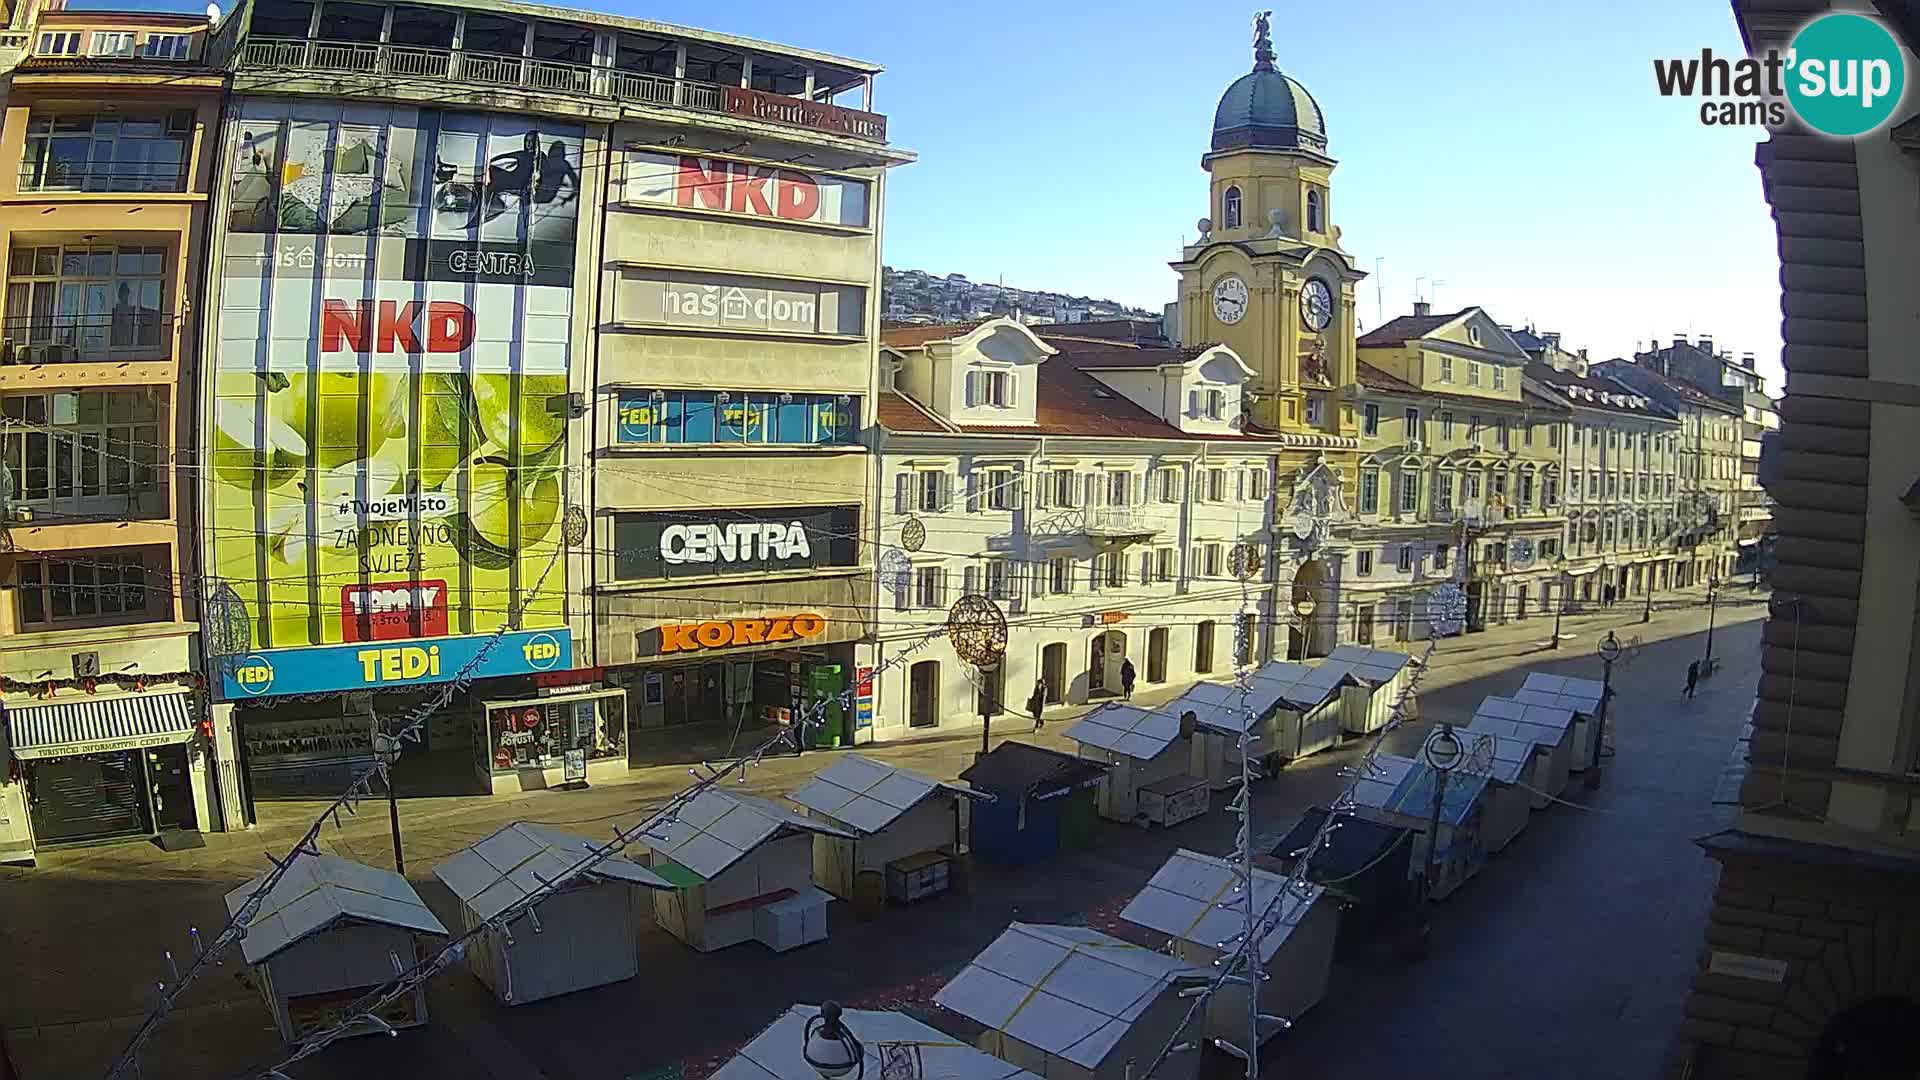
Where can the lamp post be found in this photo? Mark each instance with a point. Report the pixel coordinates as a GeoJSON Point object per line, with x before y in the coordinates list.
{"type": "Point", "coordinates": [1443, 752]}
{"type": "Point", "coordinates": [1713, 607]}
{"type": "Point", "coordinates": [1304, 606]}
{"type": "Point", "coordinates": [1609, 652]}
{"type": "Point", "coordinates": [1566, 586]}
{"type": "Point", "coordinates": [1647, 585]}
{"type": "Point", "coordinates": [830, 1048]}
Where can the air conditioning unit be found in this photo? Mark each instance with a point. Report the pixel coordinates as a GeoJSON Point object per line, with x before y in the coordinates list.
{"type": "Point", "coordinates": [1414, 446]}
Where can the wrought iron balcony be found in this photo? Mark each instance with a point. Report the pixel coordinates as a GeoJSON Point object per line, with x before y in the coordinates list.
{"type": "Point", "coordinates": [1120, 523]}
{"type": "Point", "coordinates": [411, 62]}
{"type": "Point", "coordinates": [52, 174]}
{"type": "Point", "coordinates": [131, 335]}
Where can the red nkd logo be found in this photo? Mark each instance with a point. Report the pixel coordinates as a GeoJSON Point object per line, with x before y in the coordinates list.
{"type": "Point", "coordinates": [759, 190]}
{"type": "Point", "coordinates": [365, 326]}
{"type": "Point", "coordinates": [392, 611]}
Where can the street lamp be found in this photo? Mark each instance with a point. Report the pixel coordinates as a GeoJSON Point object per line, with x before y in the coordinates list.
{"type": "Point", "coordinates": [1304, 607]}
{"type": "Point", "coordinates": [830, 1048]}
{"type": "Point", "coordinates": [1566, 586]}
{"type": "Point", "coordinates": [1609, 652]}
{"type": "Point", "coordinates": [1443, 752]}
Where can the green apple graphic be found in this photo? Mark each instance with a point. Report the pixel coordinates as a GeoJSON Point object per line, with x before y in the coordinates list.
{"type": "Point", "coordinates": [238, 439]}
{"type": "Point", "coordinates": [542, 420]}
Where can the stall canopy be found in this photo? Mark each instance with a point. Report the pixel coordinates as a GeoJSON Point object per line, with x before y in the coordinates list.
{"type": "Point", "coordinates": [1504, 760]}
{"type": "Point", "coordinates": [718, 828]}
{"type": "Point", "coordinates": [1374, 667]}
{"type": "Point", "coordinates": [320, 891]}
{"type": "Point", "coordinates": [1542, 724]}
{"type": "Point", "coordinates": [1562, 692]}
{"type": "Point", "coordinates": [1351, 853]}
{"type": "Point", "coordinates": [100, 725]}
{"type": "Point", "coordinates": [523, 858]}
{"type": "Point", "coordinates": [890, 1039]}
{"type": "Point", "coordinates": [1143, 734]}
{"type": "Point", "coordinates": [1299, 686]}
{"type": "Point", "coordinates": [1023, 770]}
{"type": "Point", "coordinates": [1183, 900]}
{"type": "Point", "coordinates": [867, 795]}
{"type": "Point", "coordinates": [1066, 991]}
{"type": "Point", "coordinates": [1403, 786]}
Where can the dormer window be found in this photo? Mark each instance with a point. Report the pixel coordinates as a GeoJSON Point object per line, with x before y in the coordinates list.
{"type": "Point", "coordinates": [990, 388]}
{"type": "Point", "coordinates": [1230, 209]}
{"type": "Point", "coordinates": [1473, 334]}
{"type": "Point", "coordinates": [1216, 404]}
{"type": "Point", "coordinates": [1314, 223]}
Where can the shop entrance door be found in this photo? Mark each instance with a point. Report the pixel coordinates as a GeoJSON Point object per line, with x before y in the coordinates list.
{"type": "Point", "coordinates": [1104, 657]}
{"type": "Point", "coordinates": [1157, 655]}
{"type": "Point", "coordinates": [88, 798]}
{"type": "Point", "coordinates": [923, 705]}
{"type": "Point", "coordinates": [1053, 668]}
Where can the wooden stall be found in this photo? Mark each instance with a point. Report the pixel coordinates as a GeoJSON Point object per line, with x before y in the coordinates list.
{"type": "Point", "coordinates": [1220, 712]}
{"type": "Point", "coordinates": [1550, 727]}
{"type": "Point", "coordinates": [1042, 803]}
{"type": "Point", "coordinates": [1147, 756]}
{"type": "Point", "coordinates": [584, 934]}
{"type": "Point", "coordinates": [1582, 697]}
{"type": "Point", "coordinates": [1366, 864]}
{"type": "Point", "coordinates": [1184, 901]}
{"type": "Point", "coordinates": [1509, 766]}
{"type": "Point", "coordinates": [1307, 719]}
{"type": "Point", "coordinates": [1377, 679]}
{"type": "Point", "coordinates": [905, 826]}
{"type": "Point", "coordinates": [741, 869]}
{"type": "Point", "coordinates": [894, 1045]}
{"type": "Point", "coordinates": [1071, 1003]}
{"type": "Point", "coordinates": [1400, 790]}
{"type": "Point", "coordinates": [327, 933]}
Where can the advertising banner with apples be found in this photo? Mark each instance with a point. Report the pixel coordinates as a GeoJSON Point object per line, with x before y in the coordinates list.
{"type": "Point", "coordinates": [388, 433]}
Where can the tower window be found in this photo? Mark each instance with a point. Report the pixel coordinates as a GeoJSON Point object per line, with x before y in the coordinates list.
{"type": "Point", "coordinates": [1230, 208]}
{"type": "Point", "coordinates": [1314, 223]}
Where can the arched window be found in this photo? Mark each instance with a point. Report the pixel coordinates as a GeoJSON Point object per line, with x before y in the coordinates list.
{"type": "Point", "coordinates": [1314, 223]}
{"type": "Point", "coordinates": [1230, 209]}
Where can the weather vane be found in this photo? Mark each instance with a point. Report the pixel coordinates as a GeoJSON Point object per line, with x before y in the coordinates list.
{"type": "Point", "coordinates": [1262, 42]}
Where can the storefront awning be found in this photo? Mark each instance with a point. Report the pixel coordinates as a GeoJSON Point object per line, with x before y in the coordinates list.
{"type": "Point", "coordinates": [99, 726]}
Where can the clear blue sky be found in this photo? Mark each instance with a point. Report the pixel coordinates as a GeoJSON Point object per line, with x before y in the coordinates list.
{"type": "Point", "coordinates": [1515, 149]}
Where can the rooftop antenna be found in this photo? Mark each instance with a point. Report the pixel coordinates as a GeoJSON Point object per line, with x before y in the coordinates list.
{"type": "Point", "coordinates": [1416, 287]}
{"type": "Point", "coordinates": [1379, 305]}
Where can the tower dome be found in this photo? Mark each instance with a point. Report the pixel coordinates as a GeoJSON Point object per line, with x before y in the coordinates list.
{"type": "Point", "coordinates": [1267, 110]}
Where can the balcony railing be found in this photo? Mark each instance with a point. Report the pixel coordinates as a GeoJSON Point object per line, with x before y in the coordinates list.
{"type": "Point", "coordinates": [551, 76]}
{"type": "Point", "coordinates": [1117, 522]}
{"type": "Point", "coordinates": [126, 336]}
{"type": "Point", "coordinates": [50, 174]}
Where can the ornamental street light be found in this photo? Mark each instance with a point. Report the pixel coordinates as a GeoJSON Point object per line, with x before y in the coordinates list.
{"type": "Point", "coordinates": [1566, 586]}
{"type": "Point", "coordinates": [1609, 652]}
{"type": "Point", "coordinates": [830, 1048]}
{"type": "Point", "coordinates": [1443, 753]}
{"type": "Point", "coordinates": [1303, 606]}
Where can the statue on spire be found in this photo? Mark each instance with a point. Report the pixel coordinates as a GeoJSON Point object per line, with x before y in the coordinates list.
{"type": "Point", "coordinates": [1262, 42]}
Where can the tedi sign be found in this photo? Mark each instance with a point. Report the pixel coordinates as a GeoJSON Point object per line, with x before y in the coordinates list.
{"type": "Point", "coordinates": [751, 542]}
{"type": "Point", "coordinates": [1843, 75]}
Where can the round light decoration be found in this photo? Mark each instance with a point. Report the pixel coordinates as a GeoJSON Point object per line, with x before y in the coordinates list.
{"type": "Point", "coordinates": [1443, 750]}
{"type": "Point", "coordinates": [573, 526]}
{"type": "Point", "coordinates": [1520, 553]}
{"type": "Point", "coordinates": [1447, 610]}
{"type": "Point", "coordinates": [978, 629]}
{"type": "Point", "coordinates": [1244, 561]}
{"type": "Point", "coordinates": [913, 534]}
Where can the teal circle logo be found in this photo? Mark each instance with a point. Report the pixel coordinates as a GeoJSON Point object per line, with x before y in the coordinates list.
{"type": "Point", "coordinates": [1845, 74]}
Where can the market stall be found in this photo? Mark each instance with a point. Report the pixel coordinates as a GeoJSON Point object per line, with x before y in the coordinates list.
{"type": "Point", "coordinates": [1400, 791]}
{"type": "Point", "coordinates": [1042, 803]}
{"type": "Point", "coordinates": [1070, 1003]}
{"type": "Point", "coordinates": [1147, 757]}
{"type": "Point", "coordinates": [1508, 765]}
{"type": "Point", "coordinates": [741, 868]}
{"type": "Point", "coordinates": [892, 1045]}
{"type": "Point", "coordinates": [1378, 677]}
{"type": "Point", "coordinates": [1366, 864]}
{"type": "Point", "coordinates": [1547, 726]}
{"type": "Point", "coordinates": [1308, 716]}
{"type": "Point", "coordinates": [583, 933]}
{"type": "Point", "coordinates": [1220, 713]}
{"type": "Point", "coordinates": [329, 932]}
{"type": "Point", "coordinates": [1582, 697]}
{"type": "Point", "coordinates": [543, 742]}
{"type": "Point", "coordinates": [905, 826]}
{"type": "Point", "coordinates": [1184, 900]}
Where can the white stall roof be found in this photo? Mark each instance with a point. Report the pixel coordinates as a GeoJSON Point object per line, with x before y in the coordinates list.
{"type": "Point", "coordinates": [1183, 901]}
{"type": "Point", "coordinates": [1375, 667]}
{"type": "Point", "coordinates": [1555, 720]}
{"type": "Point", "coordinates": [320, 890]}
{"type": "Point", "coordinates": [1509, 757]}
{"type": "Point", "coordinates": [511, 865]}
{"type": "Point", "coordinates": [1580, 695]}
{"type": "Point", "coordinates": [1125, 729]}
{"type": "Point", "coordinates": [867, 795]}
{"type": "Point", "coordinates": [719, 827]}
{"type": "Point", "coordinates": [1221, 706]}
{"type": "Point", "coordinates": [1065, 990]}
{"type": "Point", "coordinates": [775, 1054]}
{"type": "Point", "coordinates": [1375, 786]}
{"type": "Point", "coordinates": [1301, 686]}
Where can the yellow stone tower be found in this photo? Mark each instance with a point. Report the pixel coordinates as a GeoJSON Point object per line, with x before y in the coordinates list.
{"type": "Point", "coordinates": [1268, 276]}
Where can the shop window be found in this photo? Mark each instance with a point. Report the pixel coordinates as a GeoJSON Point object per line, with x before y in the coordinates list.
{"type": "Point", "coordinates": [104, 588]}
{"type": "Point", "coordinates": [89, 453]}
{"type": "Point", "coordinates": [541, 733]}
{"type": "Point", "coordinates": [736, 418]}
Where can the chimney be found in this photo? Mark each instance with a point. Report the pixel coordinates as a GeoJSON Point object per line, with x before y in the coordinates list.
{"type": "Point", "coordinates": [1422, 307]}
{"type": "Point", "coordinates": [1679, 340]}
{"type": "Point", "coordinates": [1706, 344]}
{"type": "Point", "coordinates": [1552, 339]}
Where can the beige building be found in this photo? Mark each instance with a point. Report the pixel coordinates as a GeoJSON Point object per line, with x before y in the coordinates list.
{"type": "Point", "coordinates": [1809, 965]}
{"type": "Point", "coordinates": [1459, 475]}
{"type": "Point", "coordinates": [111, 120]}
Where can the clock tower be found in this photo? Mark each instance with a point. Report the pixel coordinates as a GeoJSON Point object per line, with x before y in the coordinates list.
{"type": "Point", "coordinates": [1267, 275]}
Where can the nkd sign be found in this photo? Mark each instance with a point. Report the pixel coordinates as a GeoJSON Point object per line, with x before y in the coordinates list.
{"type": "Point", "coordinates": [681, 545]}
{"type": "Point", "coordinates": [717, 185]}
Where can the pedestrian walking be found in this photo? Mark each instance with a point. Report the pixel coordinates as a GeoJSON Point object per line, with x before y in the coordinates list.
{"type": "Point", "coordinates": [1126, 679]}
{"type": "Point", "coordinates": [1606, 598]}
{"type": "Point", "coordinates": [1037, 704]}
{"type": "Point", "coordinates": [1693, 676]}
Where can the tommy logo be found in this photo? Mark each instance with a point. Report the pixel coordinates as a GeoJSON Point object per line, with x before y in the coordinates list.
{"type": "Point", "coordinates": [395, 610]}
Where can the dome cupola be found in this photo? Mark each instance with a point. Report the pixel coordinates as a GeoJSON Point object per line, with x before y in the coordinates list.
{"type": "Point", "coordinates": [1265, 109]}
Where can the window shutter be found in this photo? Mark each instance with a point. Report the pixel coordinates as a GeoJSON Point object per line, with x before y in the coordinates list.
{"type": "Point", "coordinates": [970, 581]}
{"type": "Point", "coordinates": [943, 589]}
{"type": "Point", "coordinates": [1042, 490]}
{"type": "Point", "coordinates": [946, 490]}
{"type": "Point", "coordinates": [1142, 499]}
{"type": "Point", "coordinates": [1013, 389]}
{"type": "Point", "coordinates": [903, 493]}
{"type": "Point", "coordinates": [973, 389]}
{"type": "Point", "coordinates": [1146, 568]}
{"type": "Point", "coordinates": [1193, 403]}
{"type": "Point", "coordinates": [1090, 484]}
{"type": "Point", "coordinates": [1016, 490]}
{"type": "Point", "coordinates": [903, 597]}
{"type": "Point", "coordinates": [1240, 484]}
{"type": "Point", "coordinates": [973, 490]}
{"type": "Point", "coordinates": [1099, 566]}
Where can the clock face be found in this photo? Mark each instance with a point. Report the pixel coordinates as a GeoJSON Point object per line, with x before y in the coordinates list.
{"type": "Point", "coordinates": [1316, 304]}
{"type": "Point", "coordinates": [1230, 300]}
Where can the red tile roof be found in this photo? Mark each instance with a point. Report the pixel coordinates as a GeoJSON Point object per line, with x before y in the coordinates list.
{"type": "Point", "coordinates": [1095, 355]}
{"type": "Point", "coordinates": [914, 335]}
{"type": "Point", "coordinates": [1374, 378]}
{"type": "Point", "coordinates": [1141, 331]}
{"type": "Point", "coordinates": [898, 412]}
{"type": "Point", "coordinates": [1399, 331]}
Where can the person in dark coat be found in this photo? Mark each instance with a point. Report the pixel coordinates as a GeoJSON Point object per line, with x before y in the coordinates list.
{"type": "Point", "coordinates": [1693, 676]}
{"type": "Point", "coordinates": [1037, 704]}
{"type": "Point", "coordinates": [1126, 679]}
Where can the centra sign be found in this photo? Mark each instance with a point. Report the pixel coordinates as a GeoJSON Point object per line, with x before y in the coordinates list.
{"type": "Point", "coordinates": [738, 542]}
{"type": "Point", "coordinates": [725, 633]}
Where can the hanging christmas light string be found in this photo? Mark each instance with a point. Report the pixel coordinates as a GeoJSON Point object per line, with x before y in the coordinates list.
{"type": "Point", "coordinates": [411, 729]}
{"type": "Point", "coordinates": [364, 1013]}
{"type": "Point", "coordinates": [1241, 967]}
